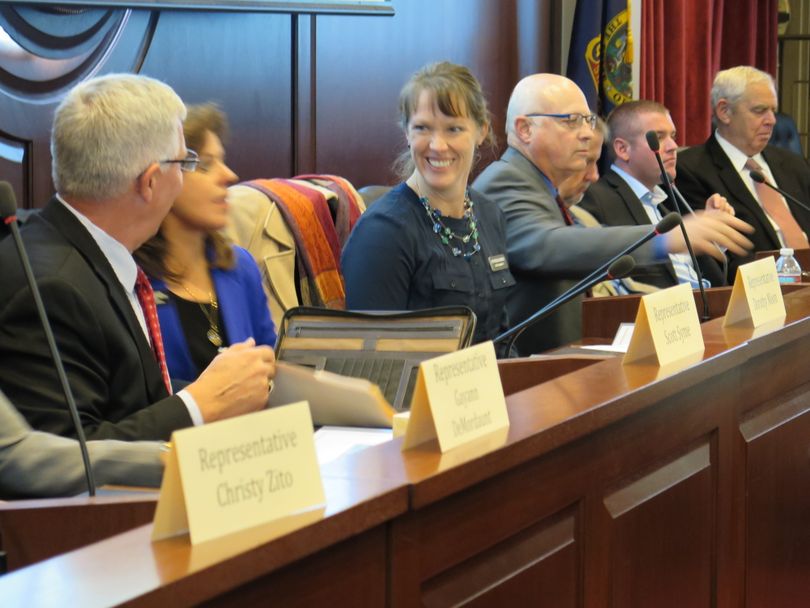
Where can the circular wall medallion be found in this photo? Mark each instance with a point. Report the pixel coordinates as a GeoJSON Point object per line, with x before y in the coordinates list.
{"type": "Point", "coordinates": [46, 50]}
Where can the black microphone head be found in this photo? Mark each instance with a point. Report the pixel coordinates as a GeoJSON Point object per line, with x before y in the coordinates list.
{"type": "Point", "coordinates": [652, 141]}
{"type": "Point", "coordinates": [668, 222]}
{"type": "Point", "coordinates": [621, 267]}
{"type": "Point", "coordinates": [757, 176]}
{"type": "Point", "coordinates": [8, 202]}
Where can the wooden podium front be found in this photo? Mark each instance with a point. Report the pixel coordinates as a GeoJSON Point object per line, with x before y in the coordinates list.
{"type": "Point", "coordinates": [615, 486]}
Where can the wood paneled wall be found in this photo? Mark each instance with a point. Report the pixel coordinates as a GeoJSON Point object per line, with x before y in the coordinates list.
{"type": "Point", "coordinates": [304, 93]}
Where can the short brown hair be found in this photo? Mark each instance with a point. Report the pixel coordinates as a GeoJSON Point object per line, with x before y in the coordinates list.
{"type": "Point", "coordinates": [621, 121]}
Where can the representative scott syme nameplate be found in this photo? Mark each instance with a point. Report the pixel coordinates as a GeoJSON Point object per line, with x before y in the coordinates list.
{"type": "Point", "coordinates": [667, 327]}
{"type": "Point", "coordinates": [458, 397]}
{"type": "Point", "coordinates": [239, 473]}
{"type": "Point", "coordinates": [756, 298]}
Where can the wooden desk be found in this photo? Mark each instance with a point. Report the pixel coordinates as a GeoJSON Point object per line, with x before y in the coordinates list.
{"type": "Point", "coordinates": [33, 530]}
{"type": "Point", "coordinates": [614, 486]}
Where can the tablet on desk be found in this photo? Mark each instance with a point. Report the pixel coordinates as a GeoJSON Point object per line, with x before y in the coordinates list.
{"type": "Point", "coordinates": [334, 400]}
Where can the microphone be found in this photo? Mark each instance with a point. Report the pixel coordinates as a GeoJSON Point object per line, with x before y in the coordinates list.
{"type": "Point", "coordinates": [682, 200]}
{"type": "Point", "coordinates": [8, 212]}
{"type": "Point", "coordinates": [617, 269]}
{"type": "Point", "coordinates": [760, 179]}
{"type": "Point", "coordinates": [655, 146]}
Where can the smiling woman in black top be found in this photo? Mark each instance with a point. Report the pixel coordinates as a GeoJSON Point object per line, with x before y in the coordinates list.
{"type": "Point", "coordinates": [431, 241]}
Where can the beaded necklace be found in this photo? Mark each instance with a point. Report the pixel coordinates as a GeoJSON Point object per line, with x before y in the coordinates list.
{"type": "Point", "coordinates": [445, 234]}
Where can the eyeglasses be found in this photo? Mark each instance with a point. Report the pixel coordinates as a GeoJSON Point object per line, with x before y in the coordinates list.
{"type": "Point", "coordinates": [572, 121]}
{"type": "Point", "coordinates": [187, 164]}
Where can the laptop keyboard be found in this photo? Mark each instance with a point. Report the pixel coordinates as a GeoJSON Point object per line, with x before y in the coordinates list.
{"type": "Point", "coordinates": [385, 373]}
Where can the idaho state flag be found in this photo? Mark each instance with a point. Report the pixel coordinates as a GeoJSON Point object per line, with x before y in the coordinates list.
{"type": "Point", "coordinates": [600, 60]}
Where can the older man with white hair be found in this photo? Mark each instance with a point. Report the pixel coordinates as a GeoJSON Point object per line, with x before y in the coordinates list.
{"type": "Point", "coordinates": [118, 152]}
{"type": "Point", "coordinates": [549, 128]}
{"type": "Point", "coordinates": [743, 112]}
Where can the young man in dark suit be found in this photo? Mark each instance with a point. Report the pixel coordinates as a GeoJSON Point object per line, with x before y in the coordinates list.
{"type": "Point", "coordinates": [630, 192]}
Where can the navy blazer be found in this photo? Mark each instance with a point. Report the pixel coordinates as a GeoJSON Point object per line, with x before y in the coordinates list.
{"type": "Point", "coordinates": [242, 310]}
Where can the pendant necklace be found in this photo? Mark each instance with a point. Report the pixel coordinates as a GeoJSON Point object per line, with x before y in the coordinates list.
{"type": "Point", "coordinates": [213, 334]}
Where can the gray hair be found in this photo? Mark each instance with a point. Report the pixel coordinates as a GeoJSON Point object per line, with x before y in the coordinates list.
{"type": "Point", "coordinates": [109, 129]}
{"type": "Point", "coordinates": [732, 83]}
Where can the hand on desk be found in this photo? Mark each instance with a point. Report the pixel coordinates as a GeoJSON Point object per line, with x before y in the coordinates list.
{"type": "Point", "coordinates": [236, 381]}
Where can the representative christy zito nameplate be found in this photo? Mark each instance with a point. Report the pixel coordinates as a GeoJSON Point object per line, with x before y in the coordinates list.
{"type": "Point", "coordinates": [667, 327]}
{"type": "Point", "coordinates": [238, 473]}
{"type": "Point", "coordinates": [458, 397]}
{"type": "Point", "coordinates": [756, 298]}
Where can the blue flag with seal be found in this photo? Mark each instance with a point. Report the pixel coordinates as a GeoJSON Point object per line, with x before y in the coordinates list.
{"type": "Point", "coordinates": [600, 59]}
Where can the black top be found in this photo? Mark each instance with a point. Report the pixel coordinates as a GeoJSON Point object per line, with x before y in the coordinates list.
{"type": "Point", "coordinates": [195, 325]}
{"type": "Point", "coordinates": [394, 261]}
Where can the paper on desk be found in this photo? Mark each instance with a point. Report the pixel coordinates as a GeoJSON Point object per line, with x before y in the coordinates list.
{"type": "Point", "coordinates": [331, 442]}
{"type": "Point", "coordinates": [621, 341]}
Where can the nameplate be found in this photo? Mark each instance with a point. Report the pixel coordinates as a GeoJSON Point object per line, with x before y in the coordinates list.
{"type": "Point", "coordinates": [667, 327]}
{"type": "Point", "coordinates": [458, 397]}
{"type": "Point", "coordinates": [238, 473]}
{"type": "Point", "coordinates": [756, 298]}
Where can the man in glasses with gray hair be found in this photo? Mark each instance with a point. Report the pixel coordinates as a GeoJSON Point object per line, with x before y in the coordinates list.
{"type": "Point", "coordinates": [118, 160]}
{"type": "Point", "coordinates": [549, 128]}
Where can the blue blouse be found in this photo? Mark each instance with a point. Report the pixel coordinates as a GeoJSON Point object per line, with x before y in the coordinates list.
{"type": "Point", "coordinates": [242, 310]}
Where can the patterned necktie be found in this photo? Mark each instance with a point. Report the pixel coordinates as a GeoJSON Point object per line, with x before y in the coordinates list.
{"type": "Point", "coordinates": [146, 298]}
{"type": "Point", "coordinates": [779, 212]}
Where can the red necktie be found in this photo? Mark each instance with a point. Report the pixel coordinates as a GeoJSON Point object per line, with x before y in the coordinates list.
{"type": "Point", "coordinates": [146, 298]}
{"type": "Point", "coordinates": [775, 207]}
{"type": "Point", "coordinates": [569, 221]}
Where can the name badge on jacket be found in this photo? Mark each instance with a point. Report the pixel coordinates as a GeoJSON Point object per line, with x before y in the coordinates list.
{"type": "Point", "coordinates": [497, 262]}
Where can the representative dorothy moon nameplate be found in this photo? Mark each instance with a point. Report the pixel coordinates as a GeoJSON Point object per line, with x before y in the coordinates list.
{"type": "Point", "coordinates": [458, 397]}
{"type": "Point", "coordinates": [235, 474]}
{"type": "Point", "coordinates": [667, 327]}
{"type": "Point", "coordinates": [756, 298]}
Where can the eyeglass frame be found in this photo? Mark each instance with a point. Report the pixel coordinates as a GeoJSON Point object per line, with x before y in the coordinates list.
{"type": "Point", "coordinates": [187, 164]}
{"type": "Point", "coordinates": [582, 118]}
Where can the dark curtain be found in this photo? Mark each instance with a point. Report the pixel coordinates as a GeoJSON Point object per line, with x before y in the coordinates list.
{"type": "Point", "coordinates": [685, 42]}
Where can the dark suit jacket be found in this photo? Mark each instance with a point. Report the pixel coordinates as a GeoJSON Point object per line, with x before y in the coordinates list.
{"type": "Point", "coordinates": [109, 363]}
{"type": "Point", "coordinates": [613, 203]}
{"type": "Point", "coordinates": [705, 169]}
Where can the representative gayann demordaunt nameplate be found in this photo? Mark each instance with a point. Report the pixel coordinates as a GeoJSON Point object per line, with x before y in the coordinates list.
{"type": "Point", "coordinates": [238, 473]}
{"type": "Point", "coordinates": [458, 398]}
